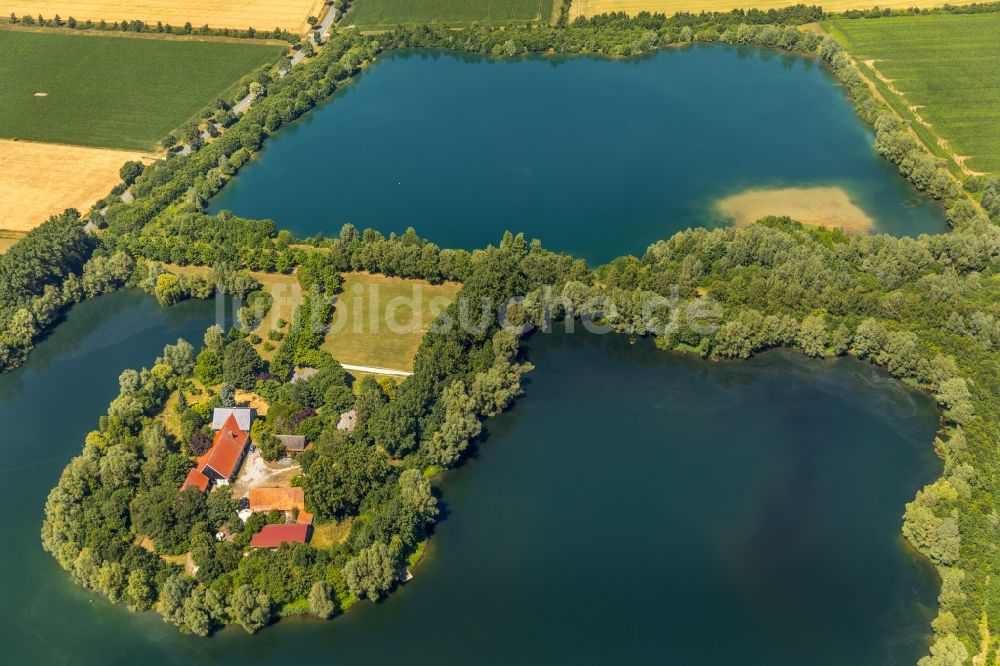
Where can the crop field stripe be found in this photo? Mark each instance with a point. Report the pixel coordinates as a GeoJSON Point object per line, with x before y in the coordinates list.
{"type": "Point", "coordinates": [240, 14]}
{"type": "Point", "coordinates": [946, 66]}
{"type": "Point", "coordinates": [102, 91]}
{"type": "Point", "coordinates": [41, 179]}
{"type": "Point", "coordinates": [388, 13]}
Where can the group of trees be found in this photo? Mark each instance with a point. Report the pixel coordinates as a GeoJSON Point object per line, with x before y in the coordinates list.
{"type": "Point", "coordinates": [136, 25]}
{"type": "Point", "coordinates": [51, 268]}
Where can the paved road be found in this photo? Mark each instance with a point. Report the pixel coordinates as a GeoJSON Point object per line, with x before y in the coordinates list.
{"type": "Point", "coordinates": [324, 25]}
{"type": "Point", "coordinates": [376, 371]}
{"type": "Point", "coordinates": [244, 104]}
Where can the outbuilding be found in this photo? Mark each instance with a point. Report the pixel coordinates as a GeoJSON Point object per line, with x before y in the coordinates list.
{"type": "Point", "coordinates": [272, 536]}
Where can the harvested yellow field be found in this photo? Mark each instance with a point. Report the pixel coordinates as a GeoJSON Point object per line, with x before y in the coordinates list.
{"type": "Point", "coordinates": [38, 180]}
{"type": "Point", "coordinates": [242, 14]}
{"type": "Point", "coordinates": [632, 7]}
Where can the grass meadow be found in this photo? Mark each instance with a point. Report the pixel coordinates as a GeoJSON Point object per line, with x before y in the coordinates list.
{"type": "Point", "coordinates": [943, 70]}
{"type": "Point", "coordinates": [372, 306]}
{"type": "Point", "coordinates": [375, 14]}
{"type": "Point", "coordinates": [113, 92]}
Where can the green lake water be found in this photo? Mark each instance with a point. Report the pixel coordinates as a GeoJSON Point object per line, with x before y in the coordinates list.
{"type": "Point", "coordinates": [634, 506]}
{"type": "Point", "coordinates": [595, 157]}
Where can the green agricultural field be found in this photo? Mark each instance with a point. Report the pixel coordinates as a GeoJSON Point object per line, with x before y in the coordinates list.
{"type": "Point", "coordinates": [374, 14]}
{"type": "Point", "coordinates": [113, 92]}
{"type": "Point", "coordinates": [941, 69]}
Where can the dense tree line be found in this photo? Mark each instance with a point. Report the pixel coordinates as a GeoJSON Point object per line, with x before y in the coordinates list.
{"type": "Point", "coordinates": [879, 12]}
{"type": "Point", "coordinates": [136, 25]}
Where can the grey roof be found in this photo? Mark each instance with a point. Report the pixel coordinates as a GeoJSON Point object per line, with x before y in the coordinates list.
{"type": "Point", "coordinates": [90, 228]}
{"type": "Point", "coordinates": [127, 197]}
{"type": "Point", "coordinates": [301, 374]}
{"type": "Point", "coordinates": [292, 442]}
{"type": "Point", "coordinates": [348, 420]}
{"type": "Point", "coordinates": [244, 417]}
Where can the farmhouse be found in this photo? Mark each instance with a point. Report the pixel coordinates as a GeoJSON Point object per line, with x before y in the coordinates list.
{"type": "Point", "coordinates": [244, 417]}
{"type": "Point", "coordinates": [272, 536]}
{"type": "Point", "coordinates": [220, 462]}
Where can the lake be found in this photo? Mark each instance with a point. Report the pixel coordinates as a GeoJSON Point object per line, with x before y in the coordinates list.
{"type": "Point", "coordinates": [634, 506]}
{"type": "Point", "coordinates": [593, 156]}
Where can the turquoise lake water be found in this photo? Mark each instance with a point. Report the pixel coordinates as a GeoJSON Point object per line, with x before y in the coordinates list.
{"type": "Point", "coordinates": [595, 157]}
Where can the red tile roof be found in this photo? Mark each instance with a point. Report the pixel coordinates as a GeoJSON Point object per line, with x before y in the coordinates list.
{"type": "Point", "coordinates": [195, 479]}
{"type": "Point", "coordinates": [280, 499]}
{"type": "Point", "coordinates": [227, 449]}
{"type": "Point", "coordinates": [272, 536]}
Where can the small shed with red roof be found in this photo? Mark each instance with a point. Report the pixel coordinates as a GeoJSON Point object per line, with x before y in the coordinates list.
{"type": "Point", "coordinates": [272, 536]}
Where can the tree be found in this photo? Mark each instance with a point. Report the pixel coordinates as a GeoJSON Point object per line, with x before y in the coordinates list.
{"type": "Point", "coordinates": [214, 339]}
{"type": "Point", "coordinates": [372, 573]}
{"type": "Point", "coordinates": [812, 336]}
{"type": "Point", "coordinates": [168, 290]}
{"type": "Point", "coordinates": [130, 171]}
{"type": "Point", "coordinates": [227, 395]}
{"type": "Point", "coordinates": [119, 467]}
{"type": "Point", "coordinates": [199, 443]}
{"type": "Point", "coordinates": [460, 425]}
{"type": "Point", "coordinates": [250, 609]}
{"type": "Point", "coordinates": [221, 508]}
{"type": "Point", "coordinates": [179, 357]}
{"type": "Point", "coordinates": [241, 364]}
{"type": "Point", "coordinates": [946, 650]}
{"type": "Point", "coordinates": [953, 394]}
{"type": "Point", "coordinates": [138, 592]}
{"type": "Point", "coordinates": [173, 594]}
{"type": "Point", "coordinates": [208, 367]}
{"type": "Point", "coordinates": [416, 493]}
{"type": "Point", "coordinates": [320, 602]}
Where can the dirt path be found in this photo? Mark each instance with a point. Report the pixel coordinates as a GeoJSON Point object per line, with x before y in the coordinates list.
{"type": "Point", "coordinates": [942, 143]}
{"type": "Point", "coordinates": [372, 370]}
{"type": "Point", "coordinates": [258, 473]}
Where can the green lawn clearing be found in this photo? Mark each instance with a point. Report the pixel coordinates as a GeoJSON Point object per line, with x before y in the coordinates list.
{"type": "Point", "coordinates": [386, 14]}
{"type": "Point", "coordinates": [113, 92]}
{"type": "Point", "coordinates": [379, 321]}
{"type": "Point", "coordinates": [942, 72]}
